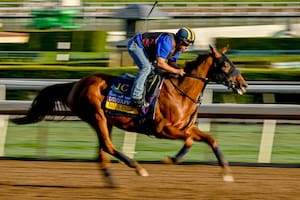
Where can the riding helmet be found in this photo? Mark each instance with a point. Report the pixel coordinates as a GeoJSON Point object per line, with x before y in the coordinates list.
{"type": "Point", "coordinates": [186, 36]}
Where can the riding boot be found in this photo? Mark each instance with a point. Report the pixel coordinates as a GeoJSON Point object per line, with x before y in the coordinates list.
{"type": "Point", "coordinates": [137, 103]}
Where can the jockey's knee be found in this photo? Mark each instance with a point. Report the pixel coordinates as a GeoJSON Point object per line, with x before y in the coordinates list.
{"type": "Point", "coordinates": [146, 69]}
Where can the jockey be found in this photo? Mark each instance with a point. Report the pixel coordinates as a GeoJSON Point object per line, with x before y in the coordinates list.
{"type": "Point", "coordinates": [160, 49]}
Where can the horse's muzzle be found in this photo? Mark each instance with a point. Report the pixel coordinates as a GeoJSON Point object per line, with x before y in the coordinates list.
{"type": "Point", "coordinates": [237, 87]}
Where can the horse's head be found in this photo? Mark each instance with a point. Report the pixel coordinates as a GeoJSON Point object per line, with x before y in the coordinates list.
{"type": "Point", "coordinates": [223, 71]}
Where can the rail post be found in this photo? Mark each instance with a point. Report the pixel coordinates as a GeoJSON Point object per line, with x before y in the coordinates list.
{"type": "Point", "coordinates": [129, 143]}
{"type": "Point", "coordinates": [207, 98]}
{"type": "Point", "coordinates": [268, 133]}
{"type": "Point", "coordinates": [3, 122]}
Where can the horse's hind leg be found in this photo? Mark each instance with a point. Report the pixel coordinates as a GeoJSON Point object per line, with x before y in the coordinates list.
{"type": "Point", "coordinates": [93, 113]}
{"type": "Point", "coordinates": [107, 146]}
{"type": "Point", "coordinates": [104, 161]}
{"type": "Point", "coordinates": [103, 132]}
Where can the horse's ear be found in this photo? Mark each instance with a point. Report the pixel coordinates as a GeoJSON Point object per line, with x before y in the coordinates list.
{"type": "Point", "coordinates": [224, 49]}
{"type": "Point", "coordinates": [212, 49]}
{"type": "Point", "coordinates": [215, 52]}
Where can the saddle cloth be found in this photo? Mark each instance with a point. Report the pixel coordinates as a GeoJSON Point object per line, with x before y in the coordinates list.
{"type": "Point", "coordinates": [119, 96]}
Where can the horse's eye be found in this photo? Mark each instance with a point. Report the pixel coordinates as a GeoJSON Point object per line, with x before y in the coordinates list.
{"type": "Point", "coordinates": [226, 67]}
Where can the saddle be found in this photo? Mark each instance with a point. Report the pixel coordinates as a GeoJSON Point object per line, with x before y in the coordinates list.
{"type": "Point", "coordinates": [118, 101]}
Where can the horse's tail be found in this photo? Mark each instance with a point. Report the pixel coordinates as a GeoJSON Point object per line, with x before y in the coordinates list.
{"type": "Point", "coordinates": [45, 102]}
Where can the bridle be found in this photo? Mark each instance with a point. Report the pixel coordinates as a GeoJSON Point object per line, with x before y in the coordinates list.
{"type": "Point", "coordinates": [218, 63]}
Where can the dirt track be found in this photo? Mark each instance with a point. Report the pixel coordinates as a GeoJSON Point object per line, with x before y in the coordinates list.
{"type": "Point", "coordinates": [24, 180]}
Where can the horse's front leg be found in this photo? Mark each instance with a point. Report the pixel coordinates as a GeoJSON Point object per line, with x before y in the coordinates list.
{"type": "Point", "coordinates": [174, 133]}
{"type": "Point", "coordinates": [199, 135]}
{"type": "Point", "coordinates": [181, 153]}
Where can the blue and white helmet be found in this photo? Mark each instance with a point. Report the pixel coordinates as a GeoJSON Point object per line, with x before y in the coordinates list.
{"type": "Point", "coordinates": [186, 36]}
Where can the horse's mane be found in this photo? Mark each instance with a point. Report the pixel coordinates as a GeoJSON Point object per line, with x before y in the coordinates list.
{"type": "Point", "coordinates": [190, 65]}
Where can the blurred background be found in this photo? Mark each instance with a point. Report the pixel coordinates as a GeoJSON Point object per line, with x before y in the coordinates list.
{"type": "Point", "coordinates": [45, 42]}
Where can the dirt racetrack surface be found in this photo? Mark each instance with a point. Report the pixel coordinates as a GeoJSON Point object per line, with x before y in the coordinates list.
{"type": "Point", "coordinates": [24, 180]}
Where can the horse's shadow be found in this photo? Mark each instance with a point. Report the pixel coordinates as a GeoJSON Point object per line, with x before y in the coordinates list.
{"type": "Point", "coordinates": [57, 186]}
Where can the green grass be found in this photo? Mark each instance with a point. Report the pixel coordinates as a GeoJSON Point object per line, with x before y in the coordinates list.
{"type": "Point", "coordinates": [192, 1]}
{"type": "Point", "coordinates": [264, 59]}
{"type": "Point", "coordinates": [117, 1]}
{"type": "Point", "coordinates": [76, 140]}
{"type": "Point", "coordinates": [58, 71]}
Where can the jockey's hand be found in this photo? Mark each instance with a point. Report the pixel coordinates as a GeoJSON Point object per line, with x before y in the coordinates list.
{"type": "Point", "coordinates": [180, 72]}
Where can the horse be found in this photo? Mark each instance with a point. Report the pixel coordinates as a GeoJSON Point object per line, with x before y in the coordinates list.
{"type": "Point", "coordinates": [174, 113]}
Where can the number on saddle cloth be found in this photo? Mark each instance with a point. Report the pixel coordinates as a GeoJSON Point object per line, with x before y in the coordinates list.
{"type": "Point", "coordinates": [119, 96]}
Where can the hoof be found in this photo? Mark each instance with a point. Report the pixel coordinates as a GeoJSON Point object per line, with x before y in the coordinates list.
{"type": "Point", "coordinates": [108, 178]}
{"type": "Point", "coordinates": [170, 160]}
{"type": "Point", "coordinates": [228, 178]}
{"type": "Point", "coordinates": [227, 174]}
{"type": "Point", "coordinates": [167, 160]}
{"type": "Point", "coordinates": [142, 172]}
{"type": "Point", "coordinates": [111, 182]}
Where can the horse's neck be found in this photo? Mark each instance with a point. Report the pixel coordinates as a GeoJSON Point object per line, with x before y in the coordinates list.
{"type": "Point", "coordinates": [193, 86]}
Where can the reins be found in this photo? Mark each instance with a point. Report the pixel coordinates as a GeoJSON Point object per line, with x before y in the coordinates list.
{"type": "Point", "coordinates": [197, 101]}
{"type": "Point", "coordinates": [205, 80]}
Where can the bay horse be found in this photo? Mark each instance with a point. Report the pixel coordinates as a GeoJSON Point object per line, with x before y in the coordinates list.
{"type": "Point", "coordinates": [175, 112]}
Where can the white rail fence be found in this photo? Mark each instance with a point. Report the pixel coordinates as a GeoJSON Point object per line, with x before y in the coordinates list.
{"type": "Point", "coordinates": [269, 113]}
{"type": "Point", "coordinates": [239, 111]}
{"type": "Point", "coordinates": [254, 86]}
